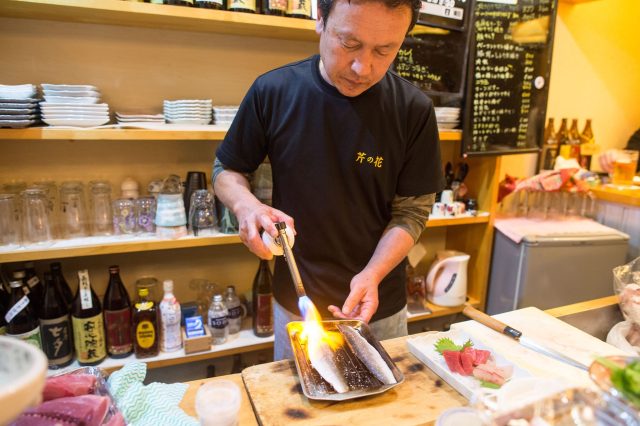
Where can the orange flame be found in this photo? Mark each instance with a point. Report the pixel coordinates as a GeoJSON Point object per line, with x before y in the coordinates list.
{"type": "Point", "coordinates": [312, 332]}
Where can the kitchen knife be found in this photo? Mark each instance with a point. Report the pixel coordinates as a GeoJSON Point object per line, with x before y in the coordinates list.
{"type": "Point", "coordinates": [503, 328]}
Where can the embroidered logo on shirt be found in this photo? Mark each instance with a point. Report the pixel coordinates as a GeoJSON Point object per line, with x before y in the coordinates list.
{"type": "Point", "coordinates": [363, 158]}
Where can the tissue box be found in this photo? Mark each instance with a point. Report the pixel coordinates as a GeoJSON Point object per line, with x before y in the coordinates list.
{"type": "Point", "coordinates": [197, 344]}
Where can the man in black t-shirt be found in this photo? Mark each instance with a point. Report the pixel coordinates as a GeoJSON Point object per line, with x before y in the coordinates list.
{"type": "Point", "coordinates": [355, 158]}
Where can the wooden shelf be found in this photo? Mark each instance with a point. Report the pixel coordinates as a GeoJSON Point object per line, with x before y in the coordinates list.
{"type": "Point", "coordinates": [434, 222]}
{"type": "Point", "coordinates": [441, 311]}
{"type": "Point", "coordinates": [93, 246]}
{"type": "Point", "coordinates": [118, 12]}
{"type": "Point", "coordinates": [178, 134]}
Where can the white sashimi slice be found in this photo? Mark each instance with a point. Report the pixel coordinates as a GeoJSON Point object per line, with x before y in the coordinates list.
{"type": "Point", "coordinates": [369, 356]}
{"type": "Point", "coordinates": [322, 359]}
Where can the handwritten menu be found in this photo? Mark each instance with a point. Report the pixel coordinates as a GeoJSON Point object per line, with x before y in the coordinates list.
{"type": "Point", "coordinates": [509, 69]}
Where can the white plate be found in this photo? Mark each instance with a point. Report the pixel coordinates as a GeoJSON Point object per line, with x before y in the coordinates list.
{"type": "Point", "coordinates": [189, 121]}
{"type": "Point", "coordinates": [189, 101]}
{"type": "Point", "coordinates": [75, 116]}
{"type": "Point", "coordinates": [17, 111]}
{"type": "Point", "coordinates": [422, 347]}
{"type": "Point", "coordinates": [17, 117]}
{"type": "Point", "coordinates": [69, 87]}
{"type": "Point", "coordinates": [447, 126]}
{"type": "Point", "coordinates": [92, 122]}
{"type": "Point", "coordinates": [72, 93]}
{"type": "Point", "coordinates": [72, 100]}
{"type": "Point", "coordinates": [16, 124]}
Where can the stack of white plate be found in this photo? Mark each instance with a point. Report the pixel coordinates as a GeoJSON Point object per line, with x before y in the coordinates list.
{"type": "Point", "coordinates": [73, 105]}
{"type": "Point", "coordinates": [18, 105]}
{"type": "Point", "coordinates": [139, 118]}
{"type": "Point", "coordinates": [188, 111]}
{"type": "Point", "coordinates": [224, 115]}
{"type": "Point", "coordinates": [448, 118]}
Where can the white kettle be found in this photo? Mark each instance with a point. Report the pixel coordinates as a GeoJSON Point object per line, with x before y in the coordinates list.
{"type": "Point", "coordinates": [447, 278]}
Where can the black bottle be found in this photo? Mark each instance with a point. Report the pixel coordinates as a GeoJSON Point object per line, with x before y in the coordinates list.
{"type": "Point", "coordinates": [88, 324]}
{"type": "Point", "coordinates": [22, 320]}
{"type": "Point", "coordinates": [117, 316]}
{"type": "Point", "coordinates": [210, 4]}
{"type": "Point", "coordinates": [61, 283]}
{"type": "Point", "coordinates": [274, 7]}
{"type": "Point", "coordinates": [55, 326]}
{"type": "Point", "coordinates": [35, 285]}
{"type": "Point", "coordinates": [263, 301]}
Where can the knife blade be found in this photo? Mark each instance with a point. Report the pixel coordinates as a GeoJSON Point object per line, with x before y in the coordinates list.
{"type": "Point", "coordinates": [516, 335]}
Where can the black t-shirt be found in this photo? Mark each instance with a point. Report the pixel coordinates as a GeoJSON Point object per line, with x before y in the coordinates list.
{"type": "Point", "coordinates": [337, 163]}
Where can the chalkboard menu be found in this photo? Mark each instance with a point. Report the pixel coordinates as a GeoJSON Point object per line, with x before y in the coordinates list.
{"type": "Point", "coordinates": [509, 67]}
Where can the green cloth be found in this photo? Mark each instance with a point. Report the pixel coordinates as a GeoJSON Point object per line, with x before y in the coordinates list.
{"type": "Point", "coordinates": [155, 404]}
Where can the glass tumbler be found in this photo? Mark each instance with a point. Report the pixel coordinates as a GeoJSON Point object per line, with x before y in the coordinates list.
{"type": "Point", "coordinates": [51, 191]}
{"type": "Point", "coordinates": [9, 221]}
{"type": "Point", "coordinates": [73, 210]}
{"type": "Point", "coordinates": [100, 202]}
{"type": "Point", "coordinates": [202, 217]}
{"type": "Point", "coordinates": [146, 214]}
{"type": "Point", "coordinates": [36, 228]}
{"type": "Point", "coordinates": [124, 216]}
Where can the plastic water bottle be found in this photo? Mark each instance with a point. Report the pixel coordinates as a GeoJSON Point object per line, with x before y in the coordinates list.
{"type": "Point", "coordinates": [218, 320]}
{"type": "Point", "coordinates": [235, 310]}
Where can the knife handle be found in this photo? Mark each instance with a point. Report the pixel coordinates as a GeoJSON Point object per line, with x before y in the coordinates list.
{"type": "Point", "coordinates": [490, 322]}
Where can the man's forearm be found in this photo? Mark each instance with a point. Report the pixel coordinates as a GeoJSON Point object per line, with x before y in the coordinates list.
{"type": "Point", "coordinates": [233, 189]}
{"type": "Point", "coordinates": [391, 249]}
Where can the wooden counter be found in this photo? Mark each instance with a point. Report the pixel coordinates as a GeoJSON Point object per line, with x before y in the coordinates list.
{"type": "Point", "coordinates": [613, 194]}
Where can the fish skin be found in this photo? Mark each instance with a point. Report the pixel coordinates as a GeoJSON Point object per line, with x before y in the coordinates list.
{"type": "Point", "coordinates": [369, 356]}
{"type": "Point", "coordinates": [323, 360]}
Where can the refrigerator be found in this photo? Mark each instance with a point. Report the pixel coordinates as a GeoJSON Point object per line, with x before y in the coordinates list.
{"type": "Point", "coordinates": [547, 271]}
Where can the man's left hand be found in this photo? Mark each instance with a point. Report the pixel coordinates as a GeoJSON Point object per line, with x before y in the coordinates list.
{"type": "Point", "coordinates": [362, 301]}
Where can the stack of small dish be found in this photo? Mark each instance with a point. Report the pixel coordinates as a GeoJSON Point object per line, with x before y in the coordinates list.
{"type": "Point", "coordinates": [123, 118]}
{"type": "Point", "coordinates": [73, 105]}
{"type": "Point", "coordinates": [18, 105]}
{"type": "Point", "coordinates": [448, 118]}
{"type": "Point", "coordinates": [224, 115]}
{"type": "Point", "coordinates": [188, 111]}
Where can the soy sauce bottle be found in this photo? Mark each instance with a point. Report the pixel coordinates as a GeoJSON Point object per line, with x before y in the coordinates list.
{"type": "Point", "coordinates": [117, 316]}
{"type": "Point", "coordinates": [22, 320]}
{"type": "Point", "coordinates": [61, 283]}
{"type": "Point", "coordinates": [55, 326]}
{"type": "Point", "coordinates": [145, 326]}
{"type": "Point", "coordinates": [88, 324]}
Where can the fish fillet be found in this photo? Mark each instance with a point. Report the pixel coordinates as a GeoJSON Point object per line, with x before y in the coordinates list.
{"type": "Point", "coordinates": [369, 356]}
{"type": "Point", "coordinates": [323, 360]}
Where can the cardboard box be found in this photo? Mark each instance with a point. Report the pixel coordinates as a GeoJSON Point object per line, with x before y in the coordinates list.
{"type": "Point", "coordinates": [197, 344]}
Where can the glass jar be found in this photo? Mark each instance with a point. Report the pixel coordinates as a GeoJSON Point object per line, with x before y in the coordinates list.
{"type": "Point", "coordinates": [10, 232]}
{"type": "Point", "coordinates": [202, 217]}
{"type": "Point", "coordinates": [124, 216]}
{"type": "Point", "coordinates": [146, 214]}
{"type": "Point", "coordinates": [73, 212]}
{"type": "Point", "coordinates": [100, 202]}
{"type": "Point", "coordinates": [36, 228]}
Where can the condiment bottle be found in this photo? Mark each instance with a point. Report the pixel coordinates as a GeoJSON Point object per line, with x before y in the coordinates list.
{"type": "Point", "coordinates": [170, 315]}
{"type": "Point", "coordinates": [55, 326]}
{"type": "Point", "coordinates": [145, 326]}
{"type": "Point", "coordinates": [21, 318]}
{"type": "Point", "coordinates": [88, 324]}
{"type": "Point", "coordinates": [263, 301]}
{"type": "Point", "coordinates": [218, 320]}
{"type": "Point", "coordinates": [117, 316]}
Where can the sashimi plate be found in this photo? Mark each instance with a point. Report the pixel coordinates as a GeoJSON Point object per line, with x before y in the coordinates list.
{"type": "Point", "coordinates": [359, 378]}
{"type": "Point", "coordinates": [423, 348]}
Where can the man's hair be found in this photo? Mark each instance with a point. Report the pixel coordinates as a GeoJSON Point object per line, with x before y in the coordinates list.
{"type": "Point", "coordinates": [326, 6]}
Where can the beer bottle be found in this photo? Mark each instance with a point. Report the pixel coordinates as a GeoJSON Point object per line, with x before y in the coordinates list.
{"type": "Point", "coordinates": [88, 325]}
{"type": "Point", "coordinates": [262, 301]}
{"type": "Point", "coordinates": [145, 326]}
{"type": "Point", "coordinates": [61, 283]}
{"type": "Point", "coordinates": [21, 318]}
{"type": "Point", "coordinates": [274, 7]}
{"type": "Point", "coordinates": [117, 316]}
{"type": "Point", "coordinates": [35, 286]}
{"type": "Point", "coordinates": [574, 140]}
{"type": "Point", "coordinates": [564, 148]}
{"type": "Point", "coordinates": [549, 147]}
{"type": "Point", "coordinates": [55, 326]}
{"type": "Point", "coordinates": [247, 6]}
{"type": "Point", "coordinates": [588, 146]}
{"type": "Point", "coordinates": [299, 9]}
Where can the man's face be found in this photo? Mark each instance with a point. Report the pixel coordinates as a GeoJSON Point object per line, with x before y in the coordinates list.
{"type": "Point", "coordinates": [359, 42]}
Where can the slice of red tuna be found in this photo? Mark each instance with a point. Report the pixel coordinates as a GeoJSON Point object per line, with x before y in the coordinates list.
{"type": "Point", "coordinates": [68, 385]}
{"type": "Point", "coordinates": [481, 356]}
{"type": "Point", "coordinates": [86, 410]}
{"type": "Point", "coordinates": [466, 360]}
{"type": "Point", "coordinates": [452, 358]}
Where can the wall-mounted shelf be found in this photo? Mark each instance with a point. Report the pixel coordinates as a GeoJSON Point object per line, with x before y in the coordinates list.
{"type": "Point", "coordinates": [118, 12]}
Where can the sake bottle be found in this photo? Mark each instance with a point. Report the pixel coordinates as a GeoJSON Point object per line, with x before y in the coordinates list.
{"type": "Point", "coordinates": [564, 146]}
{"type": "Point", "coordinates": [88, 324]}
{"type": "Point", "coordinates": [21, 318]}
{"type": "Point", "coordinates": [60, 282]}
{"type": "Point", "coordinates": [35, 286]}
{"type": "Point", "coordinates": [263, 301]}
{"type": "Point", "coordinates": [117, 316]}
{"type": "Point", "coordinates": [55, 326]}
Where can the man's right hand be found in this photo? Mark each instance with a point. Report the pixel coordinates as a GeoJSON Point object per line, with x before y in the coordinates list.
{"type": "Point", "coordinates": [256, 217]}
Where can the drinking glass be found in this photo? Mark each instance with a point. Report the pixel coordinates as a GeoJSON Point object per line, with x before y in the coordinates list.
{"type": "Point", "coordinates": [624, 167]}
{"type": "Point", "coordinates": [36, 228]}
{"type": "Point", "coordinates": [146, 214]}
{"type": "Point", "coordinates": [100, 202]}
{"type": "Point", "coordinates": [202, 217]}
{"type": "Point", "coordinates": [195, 181]}
{"type": "Point", "coordinates": [15, 188]}
{"type": "Point", "coordinates": [73, 211]}
{"type": "Point", "coordinates": [218, 403]}
{"type": "Point", "coordinates": [124, 216]}
{"type": "Point", "coordinates": [9, 220]}
{"type": "Point", "coordinates": [51, 190]}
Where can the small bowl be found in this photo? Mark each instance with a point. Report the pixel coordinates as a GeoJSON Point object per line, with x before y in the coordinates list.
{"type": "Point", "coordinates": [602, 377]}
{"type": "Point", "coordinates": [23, 370]}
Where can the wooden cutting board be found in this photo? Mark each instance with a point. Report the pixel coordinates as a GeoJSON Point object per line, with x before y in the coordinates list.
{"type": "Point", "coordinates": [277, 398]}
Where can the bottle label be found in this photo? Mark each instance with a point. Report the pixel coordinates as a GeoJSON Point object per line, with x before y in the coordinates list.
{"type": "Point", "coordinates": [299, 7]}
{"type": "Point", "coordinates": [219, 323]}
{"type": "Point", "coordinates": [85, 290]}
{"type": "Point", "coordinates": [235, 312]}
{"type": "Point", "coordinates": [88, 337]}
{"type": "Point", "coordinates": [16, 309]}
{"type": "Point", "coordinates": [589, 149]}
{"type": "Point", "coordinates": [144, 306]}
{"type": "Point", "coordinates": [32, 337]}
{"type": "Point", "coordinates": [118, 327]}
{"type": "Point", "coordinates": [211, 1]}
{"type": "Point", "coordinates": [25, 290]}
{"type": "Point", "coordinates": [56, 340]}
{"type": "Point", "coordinates": [264, 313]}
{"type": "Point", "coordinates": [277, 5]}
{"type": "Point", "coordinates": [171, 333]}
{"type": "Point", "coordinates": [33, 281]}
{"type": "Point", "coordinates": [243, 4]}
{"type": "Point", "coordinates": [145, 334]}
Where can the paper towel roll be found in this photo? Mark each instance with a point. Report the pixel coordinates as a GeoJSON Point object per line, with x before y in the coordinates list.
{"type": "Point", "coordinates": [275, 248]}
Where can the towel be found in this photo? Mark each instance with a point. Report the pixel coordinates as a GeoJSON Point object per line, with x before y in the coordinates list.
{"type": "Point", "coordinates": [155, 404]}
